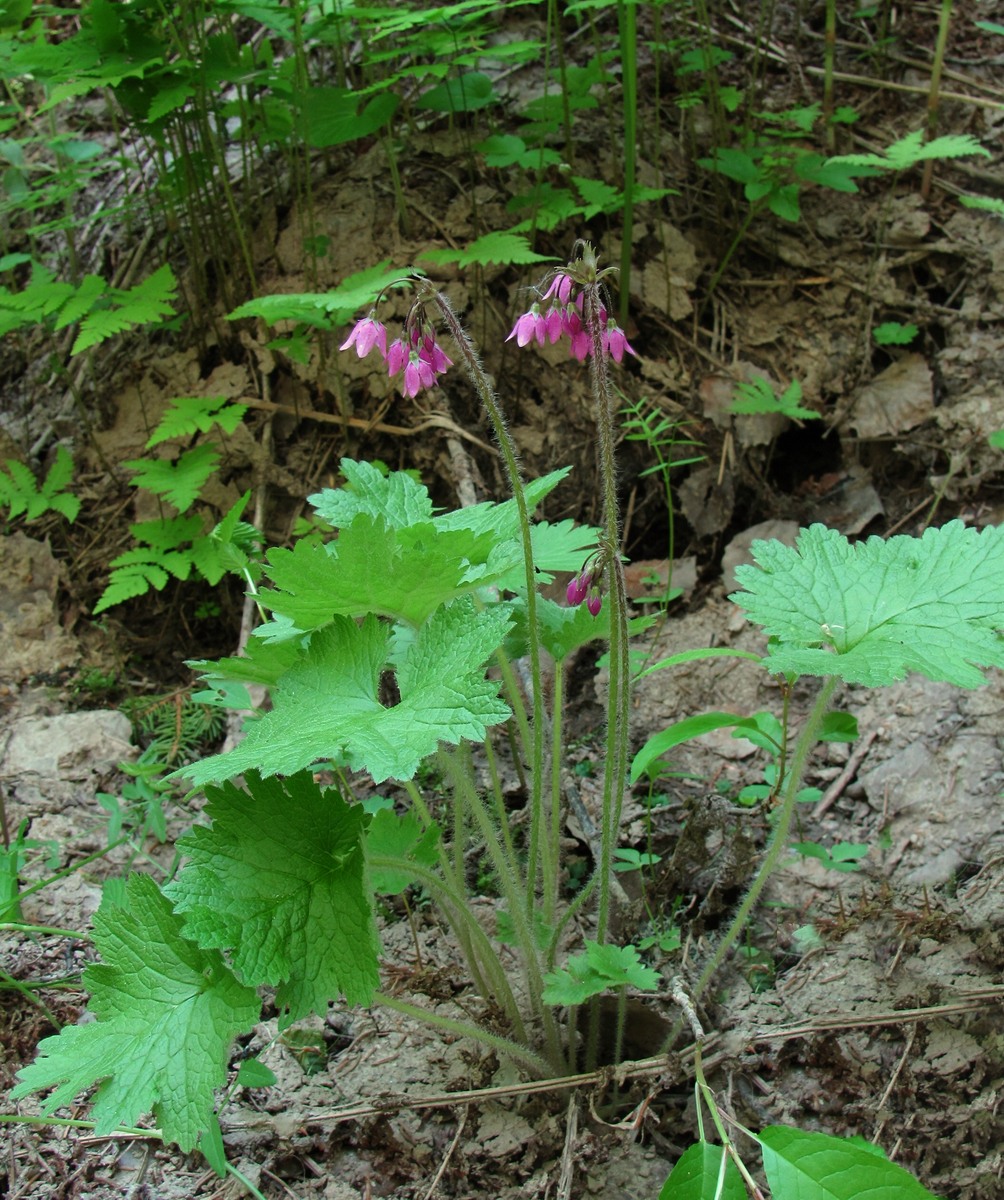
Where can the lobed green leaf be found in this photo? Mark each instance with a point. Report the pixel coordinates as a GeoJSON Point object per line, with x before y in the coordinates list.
{"type": "Point", "coordinates": [327, 706]}
{"type": "Point", "coordinates": [166, 1012]}
{"type": "Point", "coordinates": [276, 879]}
{"type": "Point", "coordinates": [873, 611]}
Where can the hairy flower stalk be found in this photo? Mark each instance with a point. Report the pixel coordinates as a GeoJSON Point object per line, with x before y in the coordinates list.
{"type": "Point", "coordinates": [573, 305]}
{"type": "Point", "coordinates": [618, 694]}
{"type": "Point", "coordinates": [522, 915]}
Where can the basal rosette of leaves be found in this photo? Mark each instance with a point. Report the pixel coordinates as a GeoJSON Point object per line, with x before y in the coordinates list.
{"type": "Point", "coordinates": [277, 889]}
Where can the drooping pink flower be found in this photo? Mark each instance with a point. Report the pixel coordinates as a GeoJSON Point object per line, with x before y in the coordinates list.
{"type": "Point", "coordinates": [554, 323]}
{"type": "Point", "coordinates": [530, 325]}
{"type": "Point", "coordinates": [594, 602]}
{"type": "Point", "coordinates": [431, 352]}
{"type": "Point", "coordinates": [397, 356]}
{"type": "Point", "coordinates": [578, 589]}
{"type": "Point", "coordinates": [418, 374]}
{"type": "Point", "coordinates": [561, 287]}
{"type": "Point", "coordinates": [366, 334]}
{"type": "Point", "coordinates": [581, 345]}
{"type": "Point", "coordinates": [614, 341]}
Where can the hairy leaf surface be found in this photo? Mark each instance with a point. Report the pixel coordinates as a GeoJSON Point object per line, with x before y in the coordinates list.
{"type": "Point", "coordinates": [166, 1012]}
{"type": "Point", "coordinates": [327, 706]}
{"type": "Point", "coordinates": [277, 879]}
{"type": "Point", "coordinates": [873, 611]}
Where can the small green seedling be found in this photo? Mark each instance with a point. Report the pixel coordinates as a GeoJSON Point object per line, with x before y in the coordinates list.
{"type": "Point", "coordinates": [23, 495]}
{"type": "Point", "coordinates": [892, 333]}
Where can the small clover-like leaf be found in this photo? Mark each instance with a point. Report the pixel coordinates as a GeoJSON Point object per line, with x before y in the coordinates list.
{"type": "Point", "coordinates": [599, 969]}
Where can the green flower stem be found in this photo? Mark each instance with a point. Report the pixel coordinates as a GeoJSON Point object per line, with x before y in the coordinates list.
{"type": "Point", "coordinates": [510, 884]}
{"type": "Point", "coordinates": [552, 884]}
{"type": "Point", "coordinates": [507, 446]}
{"type": "Point", "coordinates": [9, 983]}
{"type": "Point", "coordinates": [400, 203]}
{"type": "Point", "coordinates": [23, 893]}
{"type": "Point", "coordinates": [618, 693]}
{"type": "Point", "coordinates": [513, 1050]}
{"type": "Point", "coordinates": [514, 694]}
{"type": "Point", "coordinates": [42, 930]}
{"type": "Point", "coordinates": [501, 816]}
{"type": "Point", "coordinates": [72, 1123]}
{"type": "Point", "coordinates": [751, 212]}
{"type": "Point", "coordinates": [452, 883]}
{"type": "Point", "coordinates": [708, 1096]}
{"type": "Point", "coordinates": [494, 984]}
{"type": "Point", "coordinates": [628, 30]}
{"type": "Point", "coordinates": [779, 839]}
{"type": "Point", "coordinates": [584, 894]}
{"type": "Point", "coordinates": [933, 94]}
{"type": "Point", "coordinates": [418, 800]}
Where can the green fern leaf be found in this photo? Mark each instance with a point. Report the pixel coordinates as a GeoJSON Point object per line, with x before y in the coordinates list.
{"type": "Point", "coordinates": [66, 505]}
{"type": "Point", "coordinates": [147, 303]}
{"type": "Point", "coordinates": [129, 582]}
{"type": "Point", "coordinates": [505, 248]}
{"type": "Point", "coordinates": [992, 204]}
{"type": "Point", "coordinates": [196, 414]}
{"type": "Point", "coordinates": [178, 482]}
{"type": "Point", "coordinates": [912, 149]}
{"type": "Point", "coordinates": [167, 533]}
{"type": "Point", "coordinates": [325, 310]}
{"type": "Point", "coordinates": [87, 295]}
{"type": "Point", "coordinates": [18, 489]}
{"type": "Point", "coordinates": [176, 563]}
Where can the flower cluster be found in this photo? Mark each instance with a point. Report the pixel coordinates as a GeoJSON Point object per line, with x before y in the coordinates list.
{"type": "Point", "coordinates": [586, 586]}
{"type": "Point", "coordinates": [417, 357]}
{"type": "Point", "coordinates": [560, 312]}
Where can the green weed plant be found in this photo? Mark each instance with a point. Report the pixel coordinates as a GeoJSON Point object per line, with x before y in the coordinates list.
{"type": "Point", "coordinates": [278, 889]}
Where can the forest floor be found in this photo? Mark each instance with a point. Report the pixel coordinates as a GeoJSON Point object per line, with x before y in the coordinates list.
{"type": "Point", "coordinates": [864, 1002]}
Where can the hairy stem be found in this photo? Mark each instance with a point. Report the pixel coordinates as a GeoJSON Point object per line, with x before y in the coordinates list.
{"type": "Point", "coordinates": [510, 458]}
{"type": "Point", "coordinates": [478, 950]}
{"type": "Point", "coordinates": [520, 1054]}
{"type": "Point", "coordinates": [618, 695]}
{"type": "Point", "coordinates": [776, 847]}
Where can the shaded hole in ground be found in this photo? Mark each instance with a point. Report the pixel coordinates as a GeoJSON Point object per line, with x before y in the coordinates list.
{"type": "Point", "coordinates": [801, 454]}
